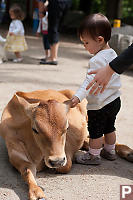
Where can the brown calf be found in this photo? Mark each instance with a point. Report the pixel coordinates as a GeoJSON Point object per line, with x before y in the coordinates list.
{"type": "Point", "coordinates": [39, 128]}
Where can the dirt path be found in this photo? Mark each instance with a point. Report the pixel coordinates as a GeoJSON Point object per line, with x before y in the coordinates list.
{"type": "Point", "coordinates": [83, 182]}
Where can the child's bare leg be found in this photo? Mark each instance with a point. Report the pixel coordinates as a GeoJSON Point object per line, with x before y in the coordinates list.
{"type": "Point", "coordinates": [92, 157]}
{"type": "Point", "coordinates": [110, 138]}
{"type": "Point", "coordinates": [47, 53]}
{"type": "Point", "coordinates": [109, 147]}
{"type": "Point", "coordinates": [18, 55]}
{"type": "Point", "coordinates": [54, 51]}
{"type": "Point", "coordinates": [96, 143]}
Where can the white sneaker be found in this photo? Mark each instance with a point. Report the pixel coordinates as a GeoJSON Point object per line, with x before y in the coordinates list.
{"type": "Point", "coordinates": [17, 60]}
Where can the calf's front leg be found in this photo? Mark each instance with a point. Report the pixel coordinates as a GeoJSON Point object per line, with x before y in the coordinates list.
{"type": "Point", "coordinates": [27, 169]}
{"type": "Point", "coordinates": [35, 192]}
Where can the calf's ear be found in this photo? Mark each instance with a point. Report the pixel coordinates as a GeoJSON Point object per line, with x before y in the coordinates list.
{"type": "Point", "coordinates": [28, 107]}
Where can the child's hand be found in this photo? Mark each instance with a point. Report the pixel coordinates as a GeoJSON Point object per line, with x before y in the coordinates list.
{"type": "Point", "coordinates": [11, 34]}
{"type": "Point", "coordinates": [74, 101]}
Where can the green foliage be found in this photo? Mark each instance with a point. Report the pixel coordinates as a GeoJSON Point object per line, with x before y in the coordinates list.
{"type": "Point", "coordinates": [127, 8]}
{"type": "Point", "coordinates": [98, 6]}
{"type": "Point", "coordinates": [75, 4]}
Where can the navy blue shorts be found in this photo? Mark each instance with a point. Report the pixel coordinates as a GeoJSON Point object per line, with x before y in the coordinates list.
{"type": "Point", "coordinates": [46, 44]}
{"type": "Point", "coordinates": [102, 121]}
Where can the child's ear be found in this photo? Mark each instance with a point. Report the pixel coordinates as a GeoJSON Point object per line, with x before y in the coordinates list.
{"type": "Point", "coordinates": [100, 39]}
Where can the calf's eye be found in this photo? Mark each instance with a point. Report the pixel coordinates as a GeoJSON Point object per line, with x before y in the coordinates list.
{"type": "Point", "coordinates": [35, 131]}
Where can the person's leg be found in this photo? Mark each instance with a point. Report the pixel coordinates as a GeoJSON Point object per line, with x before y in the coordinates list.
{"type": "Point", "coordinates": [96, 124]}
{"type": "Point", "coordinates": [46, 53]}
{"type": "Point", "coordinates": [108, 151]}
{"type": "Point", "coordinates": [53, 38]}
{"type": "Point", "coordinates": [55, 17]}
{"type": "Point", "coordinates": [110, 138]}
{"type": "Point", "coordinates": [63, 7]}
{"type": "Point", "coordinates": [95, 147]}
{"type": "Point", "coordinates": [54, 51]}
{"type": "Point", "coordinates": [92, 157]}
{"type": "Point", "coordinates": [46, 47]}
{"type": "Point", "coordinates": [96, 143]}
{"type": "Point", "coordinates": [52, 59]}
{"type": "Point", "coordinates": [18, 57]}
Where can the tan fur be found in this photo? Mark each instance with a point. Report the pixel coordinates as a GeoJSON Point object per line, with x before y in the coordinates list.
{"type": "Point", "coordinates": [124, 152]}
{"type": "Point", "coordinates": [61, 133]}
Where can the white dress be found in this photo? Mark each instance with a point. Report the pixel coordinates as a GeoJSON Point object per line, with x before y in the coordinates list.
{"type": "Point", "coordinates": [16, 42]}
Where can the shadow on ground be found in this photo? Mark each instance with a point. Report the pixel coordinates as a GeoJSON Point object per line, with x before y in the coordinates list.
{"type": "Point", "coordinates": [16, 183]}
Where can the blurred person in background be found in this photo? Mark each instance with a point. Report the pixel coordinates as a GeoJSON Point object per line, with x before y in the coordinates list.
{"type": "Point", "coordinates": [15, 41]}
{"type": "Point", "coordinates": [56, 12]}
{"type": "Point", "coordinates": [43, 29]}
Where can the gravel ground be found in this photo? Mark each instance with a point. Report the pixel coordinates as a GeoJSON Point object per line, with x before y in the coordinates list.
{"type": "Point", "coordinates": [83, 182]}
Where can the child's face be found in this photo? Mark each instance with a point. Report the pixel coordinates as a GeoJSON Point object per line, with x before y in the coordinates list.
{"type": "Point", "coordinates": [91, 45]}
{"type": "Point", "coordinates": [41, 15]}
{"type": "Point", "coordinates": [12, 15]}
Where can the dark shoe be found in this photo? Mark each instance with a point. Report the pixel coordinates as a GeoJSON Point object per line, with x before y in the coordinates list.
{"type": "Point", "coordinates": [43, 59]}
{"type": "Point", "coordinates": [46, 62]}
{"type": "Point", "coordinates": [108, 155]}
{"type": "Point", "coordinates": [88, 159]}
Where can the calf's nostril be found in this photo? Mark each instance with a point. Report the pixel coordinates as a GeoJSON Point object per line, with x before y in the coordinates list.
{"type": "Point", "coordinates": [58, 162]}
{"type": "Point", "coordinates": [52, 163]}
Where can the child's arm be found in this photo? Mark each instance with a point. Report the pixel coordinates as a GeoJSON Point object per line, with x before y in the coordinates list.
{"type": "Point", "coordinates": [82, 93]}
{"type": "Point", "coordinates": [39, 28]}
{"type": "Point", "coordinates": [74, 101]}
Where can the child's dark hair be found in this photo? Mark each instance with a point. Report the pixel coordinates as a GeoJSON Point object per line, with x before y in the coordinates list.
{"type": "Point", "coordinates": [96, 25]}
{"type": "Point", "coordinates": [16, 9]}
{"type": "Point", "coordinates": [43, 13]}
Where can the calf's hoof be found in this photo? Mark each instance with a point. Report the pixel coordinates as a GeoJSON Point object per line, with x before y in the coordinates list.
{"type": "Point", "coordinates": [36, 193]}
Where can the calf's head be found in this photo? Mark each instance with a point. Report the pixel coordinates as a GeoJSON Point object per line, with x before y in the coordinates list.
{"type": "Point", "coordinates": [49, 126]}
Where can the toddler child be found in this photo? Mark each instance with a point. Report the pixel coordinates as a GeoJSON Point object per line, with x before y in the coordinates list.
{"type": "Point", "coordinates": [43, 28]}
{"type": "Point", "coordinates": [95, 32]}
{"type": "Point", "coordinates": [15, 39]}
